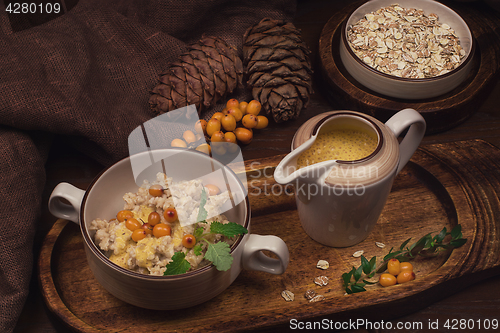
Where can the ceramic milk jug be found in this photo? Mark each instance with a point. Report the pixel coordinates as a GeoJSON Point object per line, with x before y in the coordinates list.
{"type": "Point", "coordinates": [340, 201]}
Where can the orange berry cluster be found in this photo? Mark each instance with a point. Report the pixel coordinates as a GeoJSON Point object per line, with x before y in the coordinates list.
{"type": "Point", "coordinates": [397, 272]}
{"type": "Point", "coordinates": [233, 125]}
{"type": "Point", "coordinates": [153, 226]}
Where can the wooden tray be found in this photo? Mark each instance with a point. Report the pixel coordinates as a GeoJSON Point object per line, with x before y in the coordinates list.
{"type": "Point", "coordinates": [441, 113]}
{"type": "Point", "coordinates": [443, 185]}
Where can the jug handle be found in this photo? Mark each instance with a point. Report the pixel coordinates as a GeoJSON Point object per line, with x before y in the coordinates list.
{"type": "Point", "coordinates": [416, 123]}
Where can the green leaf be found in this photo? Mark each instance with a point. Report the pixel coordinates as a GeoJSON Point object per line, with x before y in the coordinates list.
{"type": "Point", "coordinates": [197, 249]}
{"type": "Point", "coordinates": [346, 277]}
{"type": "Point", "coordinates": [357, 273]}
{"type": "Point", "coordinates": [367, 268]}
{"type": "Point", "coordinates": [404, 244]}
{"type": "Point", "coordinates": [357, 289]}
{"type": "Point", "coordinates": [419, 245]}
{"type": "Point", "coordinates": [202, 213]}
{"type": "Point", "coordinates": [391, 255]}
{"type": "Point", "coordinates": [220, 255]}
{"type": "Point", "coordinates": [440, 237]}
{"type": "Point", "coordinates": [198, 232]}
{"type": "Point", "coordinates": [229, 229]}
{"type": "Point", "coordinates": [178, 265]}
{"type": "Point", "coordinates": [383, 267]}
{"type": "Point", "coordinates": [458, 242]}
{"type": "Point", "coordinates": [456, 232]}
{"type": "Point", "coordinates": [373, 263]}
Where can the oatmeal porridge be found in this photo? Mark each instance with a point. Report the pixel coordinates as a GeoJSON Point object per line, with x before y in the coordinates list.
{"type": "Point", "coordinates": [161, 219]}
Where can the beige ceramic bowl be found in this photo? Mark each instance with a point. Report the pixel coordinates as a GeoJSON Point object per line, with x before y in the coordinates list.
{"type": "Point", "coordinates": [103, 199]}
{"type": "Point", "coordinates": [408, 88]}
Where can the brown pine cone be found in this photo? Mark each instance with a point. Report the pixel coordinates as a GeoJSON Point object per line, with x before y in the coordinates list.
{"type": "Point", "coordinates": [279, 71]}
{"type": "Point", "coordinates": [206, 73]}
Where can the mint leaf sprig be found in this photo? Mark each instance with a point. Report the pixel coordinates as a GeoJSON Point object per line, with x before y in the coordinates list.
{"type": "Point", "coordinates": [356, 279]}
{"type": "Point", "coordinates": [218, 253]}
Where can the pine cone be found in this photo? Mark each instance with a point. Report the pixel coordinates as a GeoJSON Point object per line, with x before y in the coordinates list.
{"type": "Point", "coordinates": [279, 71]}
{"type": "Point", "coordinates": [206, 73]}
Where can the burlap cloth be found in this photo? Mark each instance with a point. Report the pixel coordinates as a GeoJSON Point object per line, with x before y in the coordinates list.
{"type": "Point", "coordinates": [86, 76]}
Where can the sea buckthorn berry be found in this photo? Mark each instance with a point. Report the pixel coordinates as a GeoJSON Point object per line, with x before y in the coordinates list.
{"type": "Point", "coordinates": [218, 116]}
{"type": "Point", "coordinates": [254, 107]}
{"type": "Point", "coordinates": [228, 122]}
{"type": "Point", "coordinates": [189, 136]}
{"type": "Point", "coordinates": [393, 267]}
{"type": "Point", "coordinates": [204, 148]}
{"type": "Point", "coordinates": [179, 143]}
{"type": "Point", "coordinates": [212, 189]}
{"type": "Point", "coordinates": [243, 107]}
{"type": "Point", "coordinates": [138, 234]}
{"type": "Point", "coordinates": [233, 102]}
{"type": "Point", "coordinates": [132, 224]}
{"type": "Point", "coordinates": [213, 126]}
{"type": "Point", "coordinates": [217, 136]}
{"type": "Point", "coordinates": [188, 241]}
{"type": "Point", "coordinates": [230, 137]}
{"type": "Point", "coordinates": [249, 121]}
{"type": "Point", "coordinates": [161, 230]}
{"type": "Point", "coordinates": [170, 214]}
{"type": "Point", "coordinates": [387, 280]}
{"type": "Point", "coordinates": [123, 215]}
{"type": "Point", "coordinates": [156, 190]}
{"type": "Point", "coordinates": [235, 112]}
{"type": "Point", "coordinates": [201, 127]}
{"type": "Point", "coordinates": [148, 228]}
{"type": "Point", "coordinates": [405, 277]}
{"type": "Point", "coordinates": [154, 218]}
{"type": "Point", "coordinates": [262, 122]}
{"type": "Point", "coordinates": [405, 266]}
{"type": "Point", "coordinates": [219, 148]}
{"type": "Point", "coordinates": [244, 135]}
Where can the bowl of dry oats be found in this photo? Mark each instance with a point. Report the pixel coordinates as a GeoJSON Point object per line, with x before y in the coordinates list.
{"type": "Point", "coordinates": [407, 49]}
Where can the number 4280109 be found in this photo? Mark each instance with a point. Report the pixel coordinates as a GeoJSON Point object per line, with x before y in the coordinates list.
{"type": "Point", "coordinates": [471, 324]}
{"type": "Point", "coordinates": [33, 8]}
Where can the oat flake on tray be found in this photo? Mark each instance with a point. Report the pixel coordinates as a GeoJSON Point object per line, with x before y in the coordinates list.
{"type": "Point", "coordinates": [405, 43]}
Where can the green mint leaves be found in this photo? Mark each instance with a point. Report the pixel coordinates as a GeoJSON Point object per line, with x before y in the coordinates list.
{"type": "Point", "coordinates": [230, 229]}
{"type": "Point", "coordinates": [178, 265]}
{"type": "Point", "coordinates": [355, 280]}
{"type": "Point", "coordinates": [218, 253]}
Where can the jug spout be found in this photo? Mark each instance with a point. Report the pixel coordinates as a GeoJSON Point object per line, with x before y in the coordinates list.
{"type": "Point", "coordinates": [287, 171]}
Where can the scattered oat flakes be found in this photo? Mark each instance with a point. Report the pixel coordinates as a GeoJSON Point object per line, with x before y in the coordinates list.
{"type": "Point", "coordinates": [310, 294]}
{"type": "Point", "coordinates": [287, 295]}
{"type": "Point", "coordinates": [317, 298]}
{"type": "Point", "coordinates": [321, 280]}
{"type": "Point", "coordinates": [323, 264]}
{"type": "Point", "coordinates": [381, 245]}
{"type": "Point", "coordinates": [358, 254]}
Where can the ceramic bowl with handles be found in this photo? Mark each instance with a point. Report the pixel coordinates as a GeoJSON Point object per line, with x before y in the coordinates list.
{"type": "Point", "coordinates": [103, 199]}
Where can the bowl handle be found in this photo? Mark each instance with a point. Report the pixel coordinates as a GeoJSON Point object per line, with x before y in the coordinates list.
{"type": "Point", "coordinates": [62, 210]}
{"type": "Point", "coordinates": [254, 259]}
{"type": "Point", "coordinates": [416, 123]}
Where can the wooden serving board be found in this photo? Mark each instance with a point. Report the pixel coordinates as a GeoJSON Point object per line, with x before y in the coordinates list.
{"type": "Point", "coordinates": [441, 113]}
{"type": "Point", "coordinates": [442, 186]}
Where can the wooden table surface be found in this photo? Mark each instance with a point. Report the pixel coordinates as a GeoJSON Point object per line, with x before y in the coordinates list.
{"type": "Point", "coordinates": [481, 301]}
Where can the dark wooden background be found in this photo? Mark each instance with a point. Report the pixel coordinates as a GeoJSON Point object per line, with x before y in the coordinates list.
{"type": "Point", "coordinates": [480, 301]}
